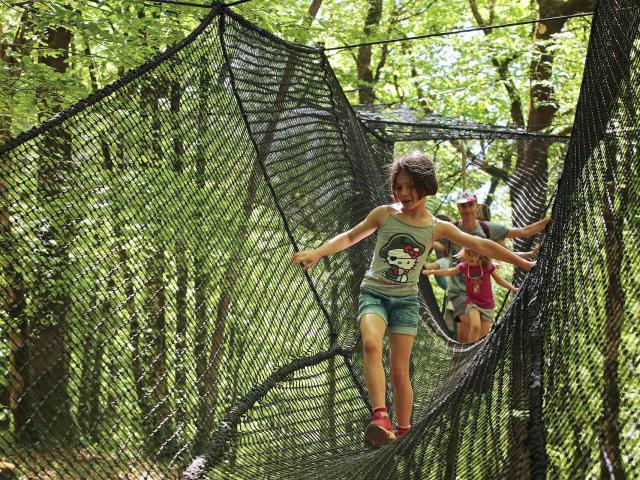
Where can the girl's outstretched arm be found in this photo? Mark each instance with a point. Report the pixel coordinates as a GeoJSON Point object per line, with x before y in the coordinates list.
{"type": "Point", "coordinates": [502, 282]}
{"type": "Point", "coordinates": [442, 272]}
{"type": "Point", "coordinates": [529, 230]}
{"type": "Point", "coordinates": [309, 258]}
{"type": "Point", "coordinates": [483, 246]}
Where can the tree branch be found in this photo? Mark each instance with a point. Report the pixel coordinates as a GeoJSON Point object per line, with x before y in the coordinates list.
{"type": "Point", "coordinates": [502, 66]}
{"type": "Point", "coordinates": [385, 48]}
{"type": "Point", "coordinates": [419, 12]}
{"type": "Point", "coordinates": [476, 13]}
{"type": "Point", "coordinates": [570, 7]}
{"type": "Point", "coordinates": [313, 11]}
{"type": "Point", "coordinates": [479, 162]}
{"type": "Point", "coordinates": [365, 75]}
{"type": "Point", "coordinates": [517, 115]}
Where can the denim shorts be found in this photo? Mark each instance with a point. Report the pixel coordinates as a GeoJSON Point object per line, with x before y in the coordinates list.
{"type": "Point", "coordinates": [399, 313]}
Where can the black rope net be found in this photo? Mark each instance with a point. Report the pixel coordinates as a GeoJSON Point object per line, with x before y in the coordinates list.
{"type": "Point", "coordinates": [399, 123]}
{"type": "Point", "coordinates": [153, 327]}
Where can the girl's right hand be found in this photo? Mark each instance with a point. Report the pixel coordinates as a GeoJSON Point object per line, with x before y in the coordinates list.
{"type": "Point", "coordinates": [306, 258]}
{"type": "Point", "coordinates": [427, 272]}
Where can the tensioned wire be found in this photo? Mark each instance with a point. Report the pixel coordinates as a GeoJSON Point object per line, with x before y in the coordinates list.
{"type": "Point", "coordinates": [458, 32]}
{"type": "Point", "coordinates": [382, 42]}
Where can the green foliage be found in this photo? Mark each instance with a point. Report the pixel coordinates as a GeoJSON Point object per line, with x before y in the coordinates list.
{"type": "Point", "coordinates": [108, 38]}
{"type": "Point", "coordinates": [108, 212]}
{"type": "Point", "coordinates": [452, 75]}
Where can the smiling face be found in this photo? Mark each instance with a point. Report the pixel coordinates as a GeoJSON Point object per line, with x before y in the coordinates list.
{"type": "Point", "coordinates": [405, 192]}
{"type": "Point", "coordinates": [418, 168]}
{"type": "Point", "coordinates": [468, 210]}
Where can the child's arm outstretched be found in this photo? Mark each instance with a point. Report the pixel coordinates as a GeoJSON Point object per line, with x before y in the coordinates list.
{"type": "Point", "coordinates": [309, 258]}
{"type": "Point", "coordinates": [530, 254]}
{"type": "Point", "coordinates": [440, 272]}
{"type": "Point", "coordinates": [502, 282]}
{"type": "Point", "coordinates": [485, 247]}
{"type": "Point", "coordinates": [431, 266]}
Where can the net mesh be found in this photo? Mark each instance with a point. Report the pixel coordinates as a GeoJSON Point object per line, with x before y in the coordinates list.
{"type": "Point", "coordinates": [154, 328]}
{"type": "Point", "coordinates": [402, 123]}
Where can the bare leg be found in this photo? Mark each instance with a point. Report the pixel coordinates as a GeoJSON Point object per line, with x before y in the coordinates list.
{"type": "Point", "coordinates": [463, 328]}
{"type": "Point", "coordinates": [401, 346]}
{"type": "Point", "coordinates": [372, 328]}
{"type": "Point", "coordinates": [484, 327]}
{"type": "Point", "coordinates": [474, 325]}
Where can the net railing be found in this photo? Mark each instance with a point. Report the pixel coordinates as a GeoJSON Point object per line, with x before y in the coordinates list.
{"type": "Point", "coordinates": [153, 327]}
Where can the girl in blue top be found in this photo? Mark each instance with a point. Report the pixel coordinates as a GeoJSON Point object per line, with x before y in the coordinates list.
{"type": "Point", "coordinates": [388, 299]}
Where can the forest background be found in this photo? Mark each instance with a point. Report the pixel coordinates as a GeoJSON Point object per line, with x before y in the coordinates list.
{"type": "Point", "coordinates": [55, 53]}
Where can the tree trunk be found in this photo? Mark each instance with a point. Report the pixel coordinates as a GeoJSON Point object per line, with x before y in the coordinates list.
{"type": "Point", "coordinates": [9, 55]}
{"type": "Point", "coordinates": [182, 269]}
{"type": "Point", "coordinates": [48, 354]}
{"type": "Point", "coordinates": [313, 11]}
{"type": "Point", "coordinates": [135, 332]}
{"type": "Point", "coordinates": [45, 349]}
{"type": "Point", "coordinates": [330, 433]}
{"type": "Point", "coordinates": [18, 333]}
{"type": "Point", "coordinates": [178, 147]}
{"type": "Point", "coordinates": [14, 296]}
{"type": "Point", "coordinates": [88, 378]}
{"type": "Point", "coordinates": [236, 349]}
{"type": "Point", "coordinates": [529, 183]}
{"type": "Point", "coordinates": [93, 76]}
{"type": "Point", "coordinates": [210, 356]}
{"type": "Point", "coordinates": [616, 188]}
{"type": "Point", "coordinates": [159, 422]}
{"type": "Point", "coordinates": [202, 277]}
{"type": "Point", "coordinates": [181, 333]}
{"type": "Point", "coordinates": [363, 62]}
{"type": "Point", "coordinates": [157, 91]}
{"type": "Point", "coordinates": [206, 393]}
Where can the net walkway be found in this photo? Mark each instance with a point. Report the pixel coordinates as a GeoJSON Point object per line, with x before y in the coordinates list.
{"type": "Point", "coordinates": [153, 327]}
{"type": "Point", "coordinates": [401, 123]}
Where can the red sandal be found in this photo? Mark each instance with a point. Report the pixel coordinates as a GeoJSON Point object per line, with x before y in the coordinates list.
{"type": "Point", "coordinates": [379, 431]}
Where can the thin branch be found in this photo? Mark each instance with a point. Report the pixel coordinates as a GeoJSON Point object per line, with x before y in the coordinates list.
{"type": "Point", "coordinates": [420, 12]}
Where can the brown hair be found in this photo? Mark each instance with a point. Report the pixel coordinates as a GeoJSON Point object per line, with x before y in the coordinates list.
{"type": "Point", "coordinates": [419, 168]}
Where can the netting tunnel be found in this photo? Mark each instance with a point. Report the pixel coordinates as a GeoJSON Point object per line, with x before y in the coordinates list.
{"type": "Point", "coordinates": [154, 328]}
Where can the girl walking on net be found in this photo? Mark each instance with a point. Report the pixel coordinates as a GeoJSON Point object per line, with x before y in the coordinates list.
{"type": "Point", "coordinates": [388, 299]}
{"type": "Point", "coordinates": [477, 271]}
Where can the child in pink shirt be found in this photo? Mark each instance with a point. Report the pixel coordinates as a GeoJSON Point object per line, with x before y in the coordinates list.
{"type": "Point", "coordinates": [477, 271]}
